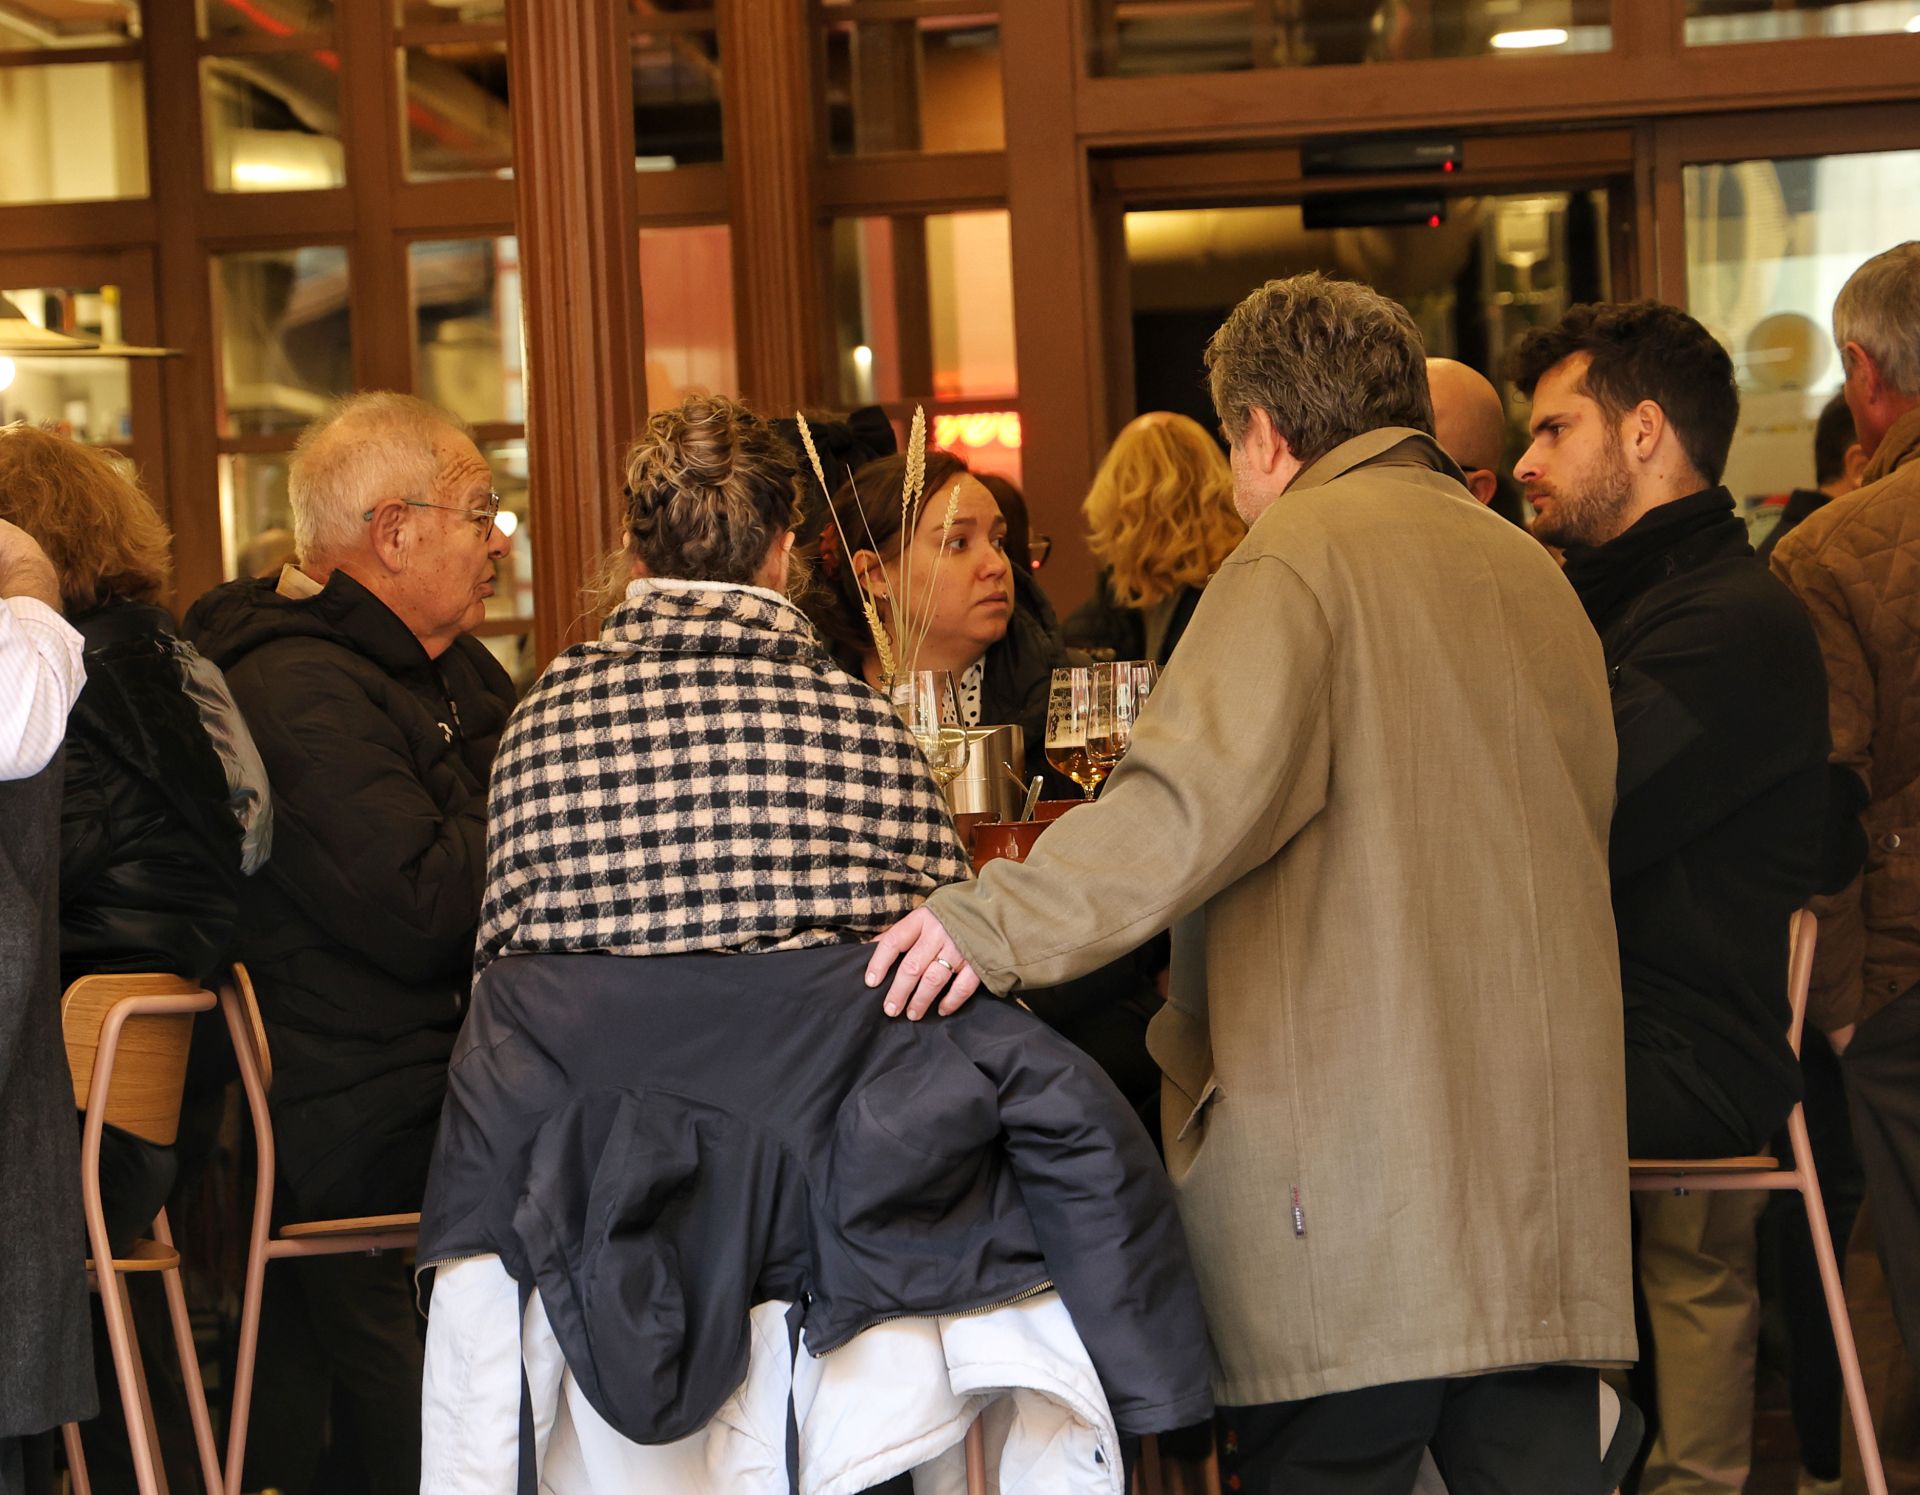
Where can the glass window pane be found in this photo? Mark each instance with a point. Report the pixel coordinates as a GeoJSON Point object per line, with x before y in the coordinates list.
{"type": "Point", "coordinates": [1710, 22]}
{"type": "Point", "coordinates": [914, 85]}
{"type": "Point", "coordinates": [510, 608]}
{"type": "Point", "coordinates": [222, 20]}
{"type": "Point", "coordinates": [457, 119]}
{"type": "Point", "coordinates": [924, 307]}
{"type": "Point", "coordinates": [686, 312]}
{"type": "Point", "coordinates": [281, 319]}
{"type": "Point", "coordinates": [74, 131]}
{"type": "Point", "coordinates": [676, 99]}
{"type": "Point", "coordinates": [256, 523]}
{"type": "Point", "coordinates": [100, 23]}
{"type": "Point", "coordinates": [1769, 244]}
{"type": "Point", "coordinates": [469, 355]}
{"type": "Point", "coordinates": [986, 440]}
{"type": "Point", "coordinates": [1137, 37]}
{"type": "Point", "coordinates": [273, 122]}
{"type": "Point", "coordinates": [83, 396]}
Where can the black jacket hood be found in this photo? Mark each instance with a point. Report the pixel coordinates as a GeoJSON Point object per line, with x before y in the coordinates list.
{"type": "Point", "coordinates": [232, 621]}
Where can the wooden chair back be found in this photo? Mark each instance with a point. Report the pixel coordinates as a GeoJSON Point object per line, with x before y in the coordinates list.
{"type": "Point", "coordinates": [150, 1065]}
{"type": "Point", "coordinates": [250, 1006]}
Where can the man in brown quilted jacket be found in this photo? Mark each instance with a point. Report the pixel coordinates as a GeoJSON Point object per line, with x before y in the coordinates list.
{"type": "Point", "coordinates": [1856, 566]}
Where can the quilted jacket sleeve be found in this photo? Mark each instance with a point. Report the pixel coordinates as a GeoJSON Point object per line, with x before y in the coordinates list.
{"type": "Point", "coordinates": [1836, 996]}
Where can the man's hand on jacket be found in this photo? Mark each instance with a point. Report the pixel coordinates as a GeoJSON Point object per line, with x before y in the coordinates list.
{"type": "Point", "coordinates": [929, 960]}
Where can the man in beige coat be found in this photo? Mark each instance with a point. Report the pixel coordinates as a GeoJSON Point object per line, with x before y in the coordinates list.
{"type": "Point", "coordinates": [1374, 789]}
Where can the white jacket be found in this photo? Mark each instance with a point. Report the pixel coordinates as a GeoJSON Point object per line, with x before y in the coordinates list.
{"type": "Point", "coordinates": [899, 1396]}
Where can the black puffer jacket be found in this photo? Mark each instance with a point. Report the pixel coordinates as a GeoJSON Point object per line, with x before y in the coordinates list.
{"type": "Point", "coordinates": [359, 935]}
{"type": "Point", "coordinates": [661, 1143]}
{"type": "Point", "coordinates": [150, 846]}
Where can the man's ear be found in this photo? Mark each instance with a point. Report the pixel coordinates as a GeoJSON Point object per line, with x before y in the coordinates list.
{"type": "Point", "coordinates": [1483, 483]}
{"type": "Point", "coordinates": [1855, 463]}
{"type": "Point", "coordinates": [390, 536]}
{"type": "Point", "coordinates": [1644, 425]}
{"type": "Point", "coordinates": [1859, 364]}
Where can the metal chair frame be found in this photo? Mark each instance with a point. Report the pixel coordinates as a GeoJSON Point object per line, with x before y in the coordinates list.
{"type": "Point", "coordinates": [1729, 1175]}
{"type": "Point", "coordinates": [370, 1234]}
{"type": "Point", "coordinates": [101, 1079]}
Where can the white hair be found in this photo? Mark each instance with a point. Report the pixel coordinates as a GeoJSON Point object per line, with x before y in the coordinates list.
{"type": "Point", "coordinates": [1879, 308]}
{"type": "Point", "coordinates": [366, 448]}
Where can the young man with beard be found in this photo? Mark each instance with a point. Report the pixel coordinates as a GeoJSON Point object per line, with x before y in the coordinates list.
{"type": "Point", "coordinates": [1719, 706]}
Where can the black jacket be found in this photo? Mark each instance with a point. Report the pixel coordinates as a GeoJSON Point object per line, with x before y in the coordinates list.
{"type": "Point", "coordinates": [1800, 503]}
{"type": "Point", "coordinates": [1018, 678]}
{"type": "Point", "coordinates": [150, 850]}
{"type": "Point", "coordinates": [1720, 707]}
{"type": "Point", "coordinates": [661, 1143]}
{"type": "Point", "coordinates": [359, 935]}
{"type": "Point", "coordinates": [1102, 622]}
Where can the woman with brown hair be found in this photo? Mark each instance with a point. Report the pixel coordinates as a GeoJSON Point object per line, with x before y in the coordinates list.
{"type": "Point", "coordinates": [1160, 520]}
{"type": "Point", "coordinates": [963, 593]}
{"type": "Point", "coordinates": [163, 810]}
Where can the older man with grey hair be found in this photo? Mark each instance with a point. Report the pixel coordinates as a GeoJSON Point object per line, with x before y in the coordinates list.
{"type": "Point", "coordinates": [1856, 565]}
{"type": "Point", "coordinates": [377, 714]}
{"type": "Point", "coordinates": [1372, 792]}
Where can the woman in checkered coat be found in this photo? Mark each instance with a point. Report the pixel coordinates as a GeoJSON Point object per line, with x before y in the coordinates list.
{"type": "Point", "coordinates": [702, 776]}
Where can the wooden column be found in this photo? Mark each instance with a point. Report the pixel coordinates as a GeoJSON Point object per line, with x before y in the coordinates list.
{"type": "Point", "coordinates": [1057, 279]}
{"type": "Point", "coordinates": [580, 280]}
{"type": "Point", "coordinates": [772, 164]}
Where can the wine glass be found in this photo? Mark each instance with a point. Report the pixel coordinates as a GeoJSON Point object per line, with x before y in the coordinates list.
{"type": "Point", "coordinates": [1119, 691]}
{"type": "Point", "coordinates": [929, 705]}
{"type": "Point", "coordinates": [1069, 708]}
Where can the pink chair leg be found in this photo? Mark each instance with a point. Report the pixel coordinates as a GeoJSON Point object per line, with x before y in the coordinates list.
{"type": "Point", "coordinates": [76, 1459]}
{"type": "Point", "coordinates": [148, 1471]}
{"type": "Point", "coordinates": [189, 1363]}
{"type": "Point", "coordinates": [1843, 1343]}
{"type": "Point", "coordinates": [976, 1458]}
{"type": "Point", "coordinates": [259, 1231]}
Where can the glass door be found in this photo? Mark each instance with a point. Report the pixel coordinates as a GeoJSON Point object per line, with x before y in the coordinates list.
{"type": "Point", "coordinates": [1775, 218]}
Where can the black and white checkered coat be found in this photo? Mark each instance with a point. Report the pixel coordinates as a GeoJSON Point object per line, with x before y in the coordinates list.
{"type": "Point", "coordinates": [703, 777]}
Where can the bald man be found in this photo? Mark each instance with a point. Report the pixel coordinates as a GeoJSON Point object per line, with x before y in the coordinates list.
{"type": "Point", "coordinates": [1469, 422]}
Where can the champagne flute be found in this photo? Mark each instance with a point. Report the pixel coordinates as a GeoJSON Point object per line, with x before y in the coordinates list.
{"type": "Point", "coordinates": [1069, 705]}
{"type": "Point", "coordinates": [929, 705]}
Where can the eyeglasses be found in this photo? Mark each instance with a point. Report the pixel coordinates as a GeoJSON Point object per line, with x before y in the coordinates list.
{"type": "Point", "coordinates": [489, 514]}
{"type": "Point", "coordinates": [1039, 547]}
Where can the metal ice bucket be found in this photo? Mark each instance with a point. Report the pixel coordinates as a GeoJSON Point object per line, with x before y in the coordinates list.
{"type": "Point", "coordinates": [983, 786]}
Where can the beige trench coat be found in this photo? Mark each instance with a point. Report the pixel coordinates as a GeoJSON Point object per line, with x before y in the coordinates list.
{"type": "Point", "coordinates": [1379, 771]}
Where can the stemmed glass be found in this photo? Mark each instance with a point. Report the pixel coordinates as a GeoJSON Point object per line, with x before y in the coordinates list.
{"type": "Point", "coordinates": [1069, 710]}
{"type": "Point", "coordinates": [1118, 691]}
{"type": "Point", "coordinates": [929, 705]}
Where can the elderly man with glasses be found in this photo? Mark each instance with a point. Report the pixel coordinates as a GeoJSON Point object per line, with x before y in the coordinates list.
{"type": "Point", "coordinates": [377, 714]}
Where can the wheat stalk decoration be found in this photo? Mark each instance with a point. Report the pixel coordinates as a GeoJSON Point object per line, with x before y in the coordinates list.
{"type": "Point", "coordinates": [882, 643]}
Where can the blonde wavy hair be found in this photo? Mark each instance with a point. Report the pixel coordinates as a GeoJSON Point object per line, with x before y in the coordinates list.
{"type": "Point", "coordinates": [103, 537]}
{"type": "Point", "coordinates": [1160, 514]}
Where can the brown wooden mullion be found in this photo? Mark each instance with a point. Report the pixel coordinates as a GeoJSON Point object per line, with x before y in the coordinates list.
{"type": "Point", "coordinates": [452, 33]}
{"type": "Point", "coordinates": [60, 56]}
{"type": "Point", "coordinates": [372, 118]}
{"type": "Point", "coordinates": [264, 44]}
{"type": "Point", "coordinates": [189, 396]}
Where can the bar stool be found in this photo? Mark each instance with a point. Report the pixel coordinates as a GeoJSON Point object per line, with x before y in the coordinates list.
{"type": "Point", "coordinates": [126, 1040]}
{"type": "Point", "coordinates": [1765, 1173]}
{"type": "Point", "coordinates": [371, 1234]}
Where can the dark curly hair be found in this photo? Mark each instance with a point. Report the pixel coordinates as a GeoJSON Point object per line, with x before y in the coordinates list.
{"type": "Point", "coordinates": [710, 486]}
{"type": "Point", "coordinates": [868, 507]}
{"type": "Point", "coordinates": [1644, 350]}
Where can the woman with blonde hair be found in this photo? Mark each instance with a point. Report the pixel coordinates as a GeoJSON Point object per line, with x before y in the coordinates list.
{"type": "Point", "coordinates": [1160, 521]}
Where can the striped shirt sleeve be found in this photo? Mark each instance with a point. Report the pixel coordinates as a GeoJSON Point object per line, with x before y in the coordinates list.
{"type": "Point", "coordinates": [40, 678]}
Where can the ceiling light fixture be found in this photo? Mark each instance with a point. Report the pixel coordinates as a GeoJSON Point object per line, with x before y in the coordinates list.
{"type": "Point", "coordinates": [1522, 41]}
